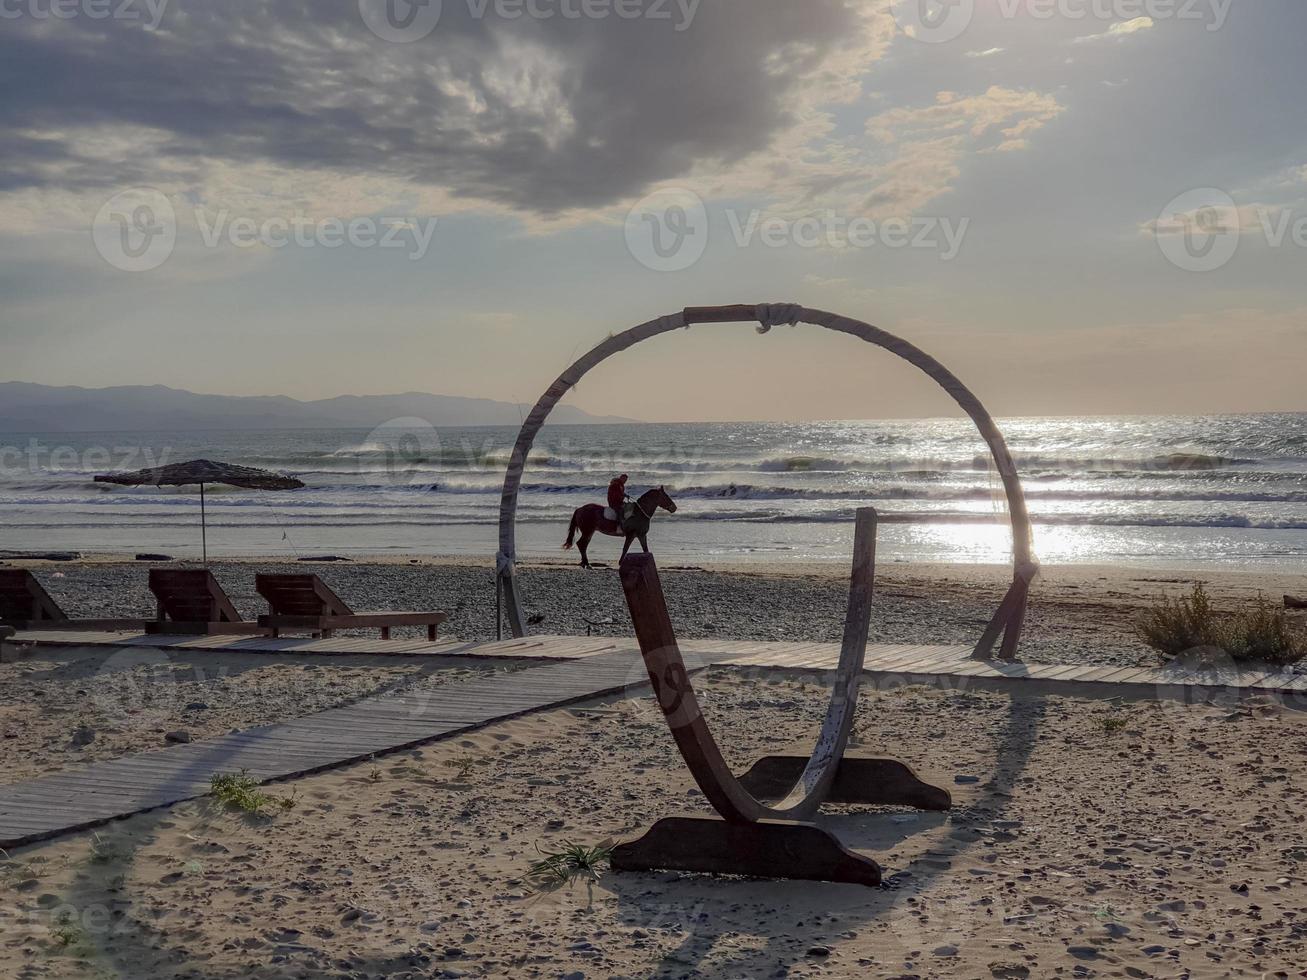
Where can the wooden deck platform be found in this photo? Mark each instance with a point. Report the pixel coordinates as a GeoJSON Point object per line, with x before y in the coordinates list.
{"type": "Point", "coordinates": [570, 669]}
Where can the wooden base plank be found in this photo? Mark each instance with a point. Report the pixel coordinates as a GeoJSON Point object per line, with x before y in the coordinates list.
{"type": "Point", "coordinates": [765, 849]}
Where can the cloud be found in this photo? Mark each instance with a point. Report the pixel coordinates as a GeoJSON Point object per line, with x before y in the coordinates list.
{"type": "Point", "coordinates": [987, 53]}
{"type": "Point", "coordinates": [1122, 28]}
{"type": "Point", "coordinates": [903, 161]}
{"type": "Point", "coordinates": [933, 140]}
{"type": "Point", "coordinates": [269, 109]}
{"type": "Point", "coordinates": [263, 105]}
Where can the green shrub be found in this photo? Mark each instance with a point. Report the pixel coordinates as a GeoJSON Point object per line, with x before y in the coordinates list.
{"type": "Point", "coordinates": [1191, 626]}
{"type": "Point", "coordinates": [239, 791]}
{"type": "Point", "coordinates": [1178, 626]}
{"type": "Point", "coordinates": [1263, 634]}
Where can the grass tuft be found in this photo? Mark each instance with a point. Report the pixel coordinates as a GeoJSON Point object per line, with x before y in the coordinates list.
{"type": "Point", "coordinates": [66, 932]}
{"type": "Point", "coordinates": [558, 868]}
{"type": "Point", "coordinates": [104, 850]}
{"type": "Point", "coordinates": [239, 791]}
{"type": "Point", "coordinates": [462, 767]}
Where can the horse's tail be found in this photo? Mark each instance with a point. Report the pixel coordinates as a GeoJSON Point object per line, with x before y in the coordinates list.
{"type": "Point", "coordinates": [571, 532]}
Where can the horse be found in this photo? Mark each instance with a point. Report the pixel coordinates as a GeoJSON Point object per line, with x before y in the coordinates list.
{"type": "Point", "coordinates": [590, 518]}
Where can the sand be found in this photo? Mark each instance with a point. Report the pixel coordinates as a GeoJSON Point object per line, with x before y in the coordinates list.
{"type": "Point", "coordinates": [1099, 839]}
{"type": "Point", "coordinates": [61, 708]}
{"type": "Point", "coordinates": [1090, 838]}
{"type": "Point", "coordinates": [1078, 614]}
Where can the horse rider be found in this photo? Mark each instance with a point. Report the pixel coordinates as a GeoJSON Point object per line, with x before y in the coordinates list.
{"type": "Point", "coordinates": [616, 499]}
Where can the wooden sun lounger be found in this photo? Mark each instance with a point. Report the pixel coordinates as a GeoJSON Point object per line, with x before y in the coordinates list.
{"type": "Point", "coordinates": [192, 601]}
{"type": "Point", "coordinates": [303, 603]}
{"type": "Point", "coordinates": [25, 605]}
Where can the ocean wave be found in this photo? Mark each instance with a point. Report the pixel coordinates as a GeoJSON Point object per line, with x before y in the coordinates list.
{"type": "Point", "coordinates": [1059, 520]}
{"type": "Point", "coordinates": [404, 494]}
{"type": "Point", "coordinates": [1170, 462]}
{"type": "Point", "coordinates": [1232, 521]}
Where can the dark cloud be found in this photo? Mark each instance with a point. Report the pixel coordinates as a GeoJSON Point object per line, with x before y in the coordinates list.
{"type": "Point", "coordinates": [537, 115]}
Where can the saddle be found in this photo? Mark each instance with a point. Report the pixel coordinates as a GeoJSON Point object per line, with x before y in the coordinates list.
{"type": "Point", "coordinates": [628, 511]}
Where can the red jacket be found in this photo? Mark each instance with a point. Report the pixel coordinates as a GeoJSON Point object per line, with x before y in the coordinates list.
{"type": "Point", "coordinates": [617, 494]}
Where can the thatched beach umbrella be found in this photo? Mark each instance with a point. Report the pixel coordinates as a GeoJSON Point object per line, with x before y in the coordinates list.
{"type": "Point", "coordinates": [202, 471]}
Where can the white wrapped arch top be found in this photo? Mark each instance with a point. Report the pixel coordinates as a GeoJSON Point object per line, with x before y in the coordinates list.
{"type": "Point", "coordinates": [1010, 615]}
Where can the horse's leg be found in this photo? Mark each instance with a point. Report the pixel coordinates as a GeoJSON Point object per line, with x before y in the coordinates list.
{"type": "Point", "coordinates": [644, 545]}
{"type": "Point", "coordinates": [582, 545]}
{"type": "Point", "coordinates": [627, 547]}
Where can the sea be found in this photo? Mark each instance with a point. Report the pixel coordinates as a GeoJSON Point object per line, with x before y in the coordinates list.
{"type": "Point", "coordinates": [1163, 492]}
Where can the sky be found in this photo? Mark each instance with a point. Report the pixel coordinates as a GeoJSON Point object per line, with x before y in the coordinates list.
{"type": "Point", "coordinates": [1079, 206]}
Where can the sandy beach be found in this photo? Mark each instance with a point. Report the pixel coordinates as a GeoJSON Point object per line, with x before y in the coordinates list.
{"type": "Point", "coordinates": [1088, 838]}
{"type": "Point", "coordinates": [1078, 613]}
{"type": "Point", "coordinates": [433, 303]}
{"type": "Point", "coordinates": [61, 708]}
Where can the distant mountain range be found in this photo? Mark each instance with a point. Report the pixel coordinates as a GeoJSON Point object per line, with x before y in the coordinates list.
{"type": "Point", "coordinates": [41, 408]}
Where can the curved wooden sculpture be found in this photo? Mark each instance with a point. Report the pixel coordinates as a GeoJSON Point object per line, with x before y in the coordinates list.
{"type": "Point", "coordinates": [754, 836]}
{"type": "Point", "coordinates": [1010, 615]}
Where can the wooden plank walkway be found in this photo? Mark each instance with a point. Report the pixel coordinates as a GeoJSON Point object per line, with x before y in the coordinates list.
{"type": "Point", "coordinates": [531, 647]}
{"type": "Point", "coordinates": [572, 669]}
{"type": "Point", "coordinates": [891, 663]}
{"type": "Point", "coordinates": [39, 808]}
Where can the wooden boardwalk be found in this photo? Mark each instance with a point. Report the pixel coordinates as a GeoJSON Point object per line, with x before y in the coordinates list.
{"type": "Point", "coordinates": [570, 669]}
{"type": "Point", "coordinates": [40, 808]}
{"type": "Point", "coordinates": [885, 662]}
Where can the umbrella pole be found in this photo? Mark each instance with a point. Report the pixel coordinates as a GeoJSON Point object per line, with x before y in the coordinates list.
{"type": "Point", "coordinates": [204, 528]}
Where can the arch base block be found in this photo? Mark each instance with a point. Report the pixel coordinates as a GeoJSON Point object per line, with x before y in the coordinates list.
{"type": "Point", "coordinates": [866, 781]}
{"type": "Point", "coordinates": [759, 849]}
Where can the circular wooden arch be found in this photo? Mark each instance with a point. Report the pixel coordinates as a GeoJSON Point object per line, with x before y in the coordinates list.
{"type": "Point", "coordinates": [1010, 615]}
